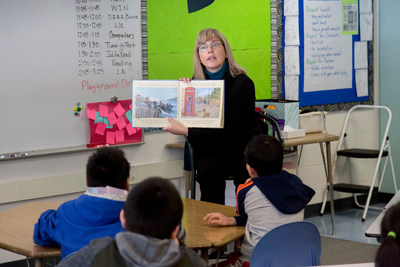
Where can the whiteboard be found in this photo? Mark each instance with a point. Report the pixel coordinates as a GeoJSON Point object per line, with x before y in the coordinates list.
{"type": "Point", "coordinates": [59, 54]}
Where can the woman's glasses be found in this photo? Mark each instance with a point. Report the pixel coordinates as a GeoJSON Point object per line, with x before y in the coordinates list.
{"type": "Point", "coordinates": [214, 45]}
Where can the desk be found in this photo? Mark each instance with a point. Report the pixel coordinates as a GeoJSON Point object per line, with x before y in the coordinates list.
{"type": "Point", "coordinates": [200, 235]}
{"type": "Point", "coordinates": [374, 230]}
{"type": "Point", "coordinates": [311, 138]}
{"type": "Point", "coordinates": [16, 229]}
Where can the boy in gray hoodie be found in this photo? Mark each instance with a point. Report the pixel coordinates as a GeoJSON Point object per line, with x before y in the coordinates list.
{"type": "Point", "coordinates": [151, 216]}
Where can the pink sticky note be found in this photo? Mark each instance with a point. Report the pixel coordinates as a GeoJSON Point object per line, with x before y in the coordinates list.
{"type": "Point", "coordinates": [112, 118]}
{"type": "Point", "coordinates": [110, 138]}
{"type": "Point", "coordinates": [121, 123]}
{"type": "Point", "coordinates": [130, 129]}
{"type": "Point", "coordinates": [130, 106]}
{"type": "Point", "coordinates": [119, 110]}
{"type": "Point", "coordinates": [91, 114]}
{"type": "Point", "coordinates": [103, 111]}
{"type": "Point", "coordinates": [100, 128]}
{"type": "Point", "coordinates": [120, 136]}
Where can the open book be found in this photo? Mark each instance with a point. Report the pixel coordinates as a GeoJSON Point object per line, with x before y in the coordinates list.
{"type": "Point", "coordinates": [196, 104]}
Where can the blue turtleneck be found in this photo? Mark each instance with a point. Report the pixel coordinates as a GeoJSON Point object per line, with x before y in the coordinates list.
{"type": "Point", "coordinates": [219, 74]}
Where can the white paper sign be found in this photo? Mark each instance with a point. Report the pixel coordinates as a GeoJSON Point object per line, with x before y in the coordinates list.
{"type": "Point", "coordinates": [292, 87]}
{"type": "Point", "coordinates": [292, 30]}
{"type": "Point", "coordinates": [365, 6]}
{"type": "Point", "coordinates": [360, 55]}
{"type": "Point", "coordinates": [366, 22]}
{"type": "Point", "coordinates": [362, 82]}
{"type": "Point", "coordinates": [292, 65]}
{"type": "Point", "coordinates": [291, 8]}
{"type": "Point", "coordinates": [327, 53]}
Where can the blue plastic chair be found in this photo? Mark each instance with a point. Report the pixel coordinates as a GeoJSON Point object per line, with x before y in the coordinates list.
{"type": "Point", "coordinates": [292, 244]}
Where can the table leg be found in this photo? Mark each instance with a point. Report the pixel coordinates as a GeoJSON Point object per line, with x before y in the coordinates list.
{"type": "Point", "coordinates": [204, 254]}
{"type": "Point", "coordinates": [39, 262]}
{"type": "Point", "coordinates": [330, 182]}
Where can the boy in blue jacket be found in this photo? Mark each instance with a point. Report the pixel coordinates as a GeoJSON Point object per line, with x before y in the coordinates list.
{"type": "Point", "coordinates": [269, 198]}
{"type": "Point", "coordinates": [94, 214]}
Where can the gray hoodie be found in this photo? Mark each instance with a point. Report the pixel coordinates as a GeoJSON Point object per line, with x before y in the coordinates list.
{"type": "Point", "coordinates": [131, 249]}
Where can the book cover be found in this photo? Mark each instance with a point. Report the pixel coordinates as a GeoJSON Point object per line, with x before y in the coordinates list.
{"type": "Point", "coordinates": [198, 103]}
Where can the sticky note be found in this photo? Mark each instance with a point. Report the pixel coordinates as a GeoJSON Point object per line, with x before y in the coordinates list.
{"type": "Point", "coordinates": [100, 128]}
{"type": "Point", "coordinates": [110, 138]}
{"type": "Point", "coordinates": [91, 114]}
{"type": "Point", "coordinates": [119, 110]}
{"type": "Point", "coordinates": [103, 110]}
{"type": "Point", "coordinates": [107, 123]}
{"type": "Point", "coordinates": [130, 106]}
{"type": "Point", "coordinates": [130, 129]}
{"type": "Point", "coordinates": [98, 118]}
{"type": "Point", "coordinates": [129, 115]}
{"type": "Point", "coordinates": [112, 118]}
{"type": "Point", "coordinates": [121, 123]}
{"type": "Point", "coordinates": [120, 136]}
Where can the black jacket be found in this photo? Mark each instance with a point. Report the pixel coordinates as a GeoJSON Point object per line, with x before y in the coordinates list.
{"type": "Point", "coordinates": [239, 122]}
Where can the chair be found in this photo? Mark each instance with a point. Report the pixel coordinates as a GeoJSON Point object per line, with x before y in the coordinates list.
{"type": "Point", "coordinates": [291, 244]}
{"type": "Point", "coordinates": [266, 119]}
{"type": "Point", "coordinates": [344, 149]}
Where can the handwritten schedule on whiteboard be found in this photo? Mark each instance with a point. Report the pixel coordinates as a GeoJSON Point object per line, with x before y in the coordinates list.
{"type": "Point", "coordinates": [327, 52]}
{"type": "Point", "coordinates": [107, 43]}
{"type": "Point", "coordinates": [60, 54]}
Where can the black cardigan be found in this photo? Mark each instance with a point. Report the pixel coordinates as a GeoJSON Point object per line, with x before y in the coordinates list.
{"type": "Point", "coordinates": [239, 122]}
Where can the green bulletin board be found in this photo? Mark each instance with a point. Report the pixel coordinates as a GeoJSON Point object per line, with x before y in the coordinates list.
{"type": "Point", "coordinates": [172, 32]}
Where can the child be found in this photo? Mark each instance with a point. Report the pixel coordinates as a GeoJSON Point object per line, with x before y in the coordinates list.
{"type": "Point", "coordinates": [388, 254]}
{"type": "Point", "coordinates": [151, 216]}
{"type": "Point", "coordinates": [269, 198]}
{"type": "Point", "coordinates": [95, 213]}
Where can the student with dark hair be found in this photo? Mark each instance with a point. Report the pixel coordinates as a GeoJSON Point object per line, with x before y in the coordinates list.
{"type": "Point", "coordinates": [151, 217]}
{"type": "Point", "coordinates": [270, 198]}
{"type": "Point", "coordinates": [388, 254]}
{"type": "Point", "coordinates": [95, 213]}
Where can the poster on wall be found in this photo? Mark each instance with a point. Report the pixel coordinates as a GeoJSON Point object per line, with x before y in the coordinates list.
{"type": "Point", "coordinates": [327, 52]}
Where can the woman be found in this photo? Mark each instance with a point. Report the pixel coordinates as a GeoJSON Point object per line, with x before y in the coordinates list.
{"type": "Point", "coordinates": [219, 153]}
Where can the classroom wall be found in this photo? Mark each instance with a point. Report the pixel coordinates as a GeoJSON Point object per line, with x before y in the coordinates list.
{"type": "Point", "coordinates": [389, 78]}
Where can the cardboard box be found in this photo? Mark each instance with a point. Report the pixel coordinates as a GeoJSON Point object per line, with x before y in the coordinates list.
{"type": "Point", "coordinates": [312, 122]}
{"type": "Point", "coordinates": [286, 110]}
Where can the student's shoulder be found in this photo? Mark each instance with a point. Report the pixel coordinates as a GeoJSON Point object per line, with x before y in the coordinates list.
{"type": "Point", "coordinates": [85, 256]}
{"type": "Point", "coordinates": [242, 188]}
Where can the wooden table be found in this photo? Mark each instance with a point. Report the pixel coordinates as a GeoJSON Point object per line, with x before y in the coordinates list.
{"type": "Point", "coordinates": [200, 235]}
{"type": "Point", "coordinates": [311, 138]}
{"type": "Point", "coordinates": [16, 229]}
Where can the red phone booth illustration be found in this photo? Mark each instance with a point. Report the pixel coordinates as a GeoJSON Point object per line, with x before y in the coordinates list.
{"type": "Point", "coordinates": [189, 101]}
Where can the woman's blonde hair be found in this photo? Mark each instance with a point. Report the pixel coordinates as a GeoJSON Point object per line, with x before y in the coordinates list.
{"type": "Point", "coordinates": [207, 35]}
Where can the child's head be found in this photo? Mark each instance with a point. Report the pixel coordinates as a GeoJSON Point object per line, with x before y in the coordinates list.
{"type": "Point", "coordinates": [108, 167]}
{"type": "Point", "coordinates": [264, 154]}
{"type": "Point", "coordinates": [153, 208]}
{"type": "Point", "coordinates": [388, 254]}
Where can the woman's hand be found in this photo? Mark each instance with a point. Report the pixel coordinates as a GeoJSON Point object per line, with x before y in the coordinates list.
{"type": "Point", "coordinates": [176, 127]}
{"type": "Point", "coordinates": [219, 219]}
{"type": "Point", "coordinates": [186, 80]}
